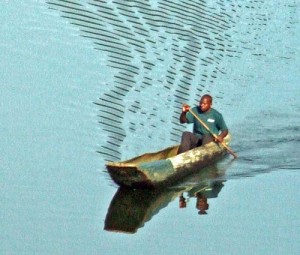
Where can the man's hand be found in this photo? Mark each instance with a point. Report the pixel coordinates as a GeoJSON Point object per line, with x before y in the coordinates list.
{"type": "Point", "coordinates": [185, 108]}
{"type": "Point", "coordinates": [219, 139]}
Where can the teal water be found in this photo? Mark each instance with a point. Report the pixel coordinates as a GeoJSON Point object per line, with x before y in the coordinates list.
{"type": "Point", "coordinates": [58, 92]}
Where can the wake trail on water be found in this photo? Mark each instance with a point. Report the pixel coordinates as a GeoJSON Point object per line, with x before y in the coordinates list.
{"type": "Point", "coordinates": [272, 145]}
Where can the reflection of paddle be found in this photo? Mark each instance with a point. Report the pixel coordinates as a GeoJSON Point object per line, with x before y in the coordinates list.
{"type": "Point", "coordinates": [214, 135]}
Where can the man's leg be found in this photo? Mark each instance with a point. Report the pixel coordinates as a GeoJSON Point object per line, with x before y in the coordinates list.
{"type": "Point", "coordinates": [188, 142]}
{"type": "Point", "coordinates": [206, 139]}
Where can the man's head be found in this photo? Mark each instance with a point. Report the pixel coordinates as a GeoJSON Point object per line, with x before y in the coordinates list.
{"type": "Point", "coordinates": [202, 204]}
{"type": "Point", "coordinates": [205, 103]}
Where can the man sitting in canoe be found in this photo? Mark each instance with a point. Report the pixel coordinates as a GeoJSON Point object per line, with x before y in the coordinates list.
{"type": "Point", "coordinates": [212, 119]}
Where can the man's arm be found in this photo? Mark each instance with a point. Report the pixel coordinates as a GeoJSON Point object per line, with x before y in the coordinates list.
{"type": "Point", "coordinates": [182, 118]}
{"type": "Point", "coordinates": [222, 135]}
{"type": "Point", "coordinates": [185, 109]}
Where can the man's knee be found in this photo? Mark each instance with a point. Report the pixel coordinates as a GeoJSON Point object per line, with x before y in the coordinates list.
{"type": "Point", "coordinates": [186, 136]}
{"type": "Point", "coordinates": [206, 139]}
{"type": "Point", "coordinates": [186, 133]}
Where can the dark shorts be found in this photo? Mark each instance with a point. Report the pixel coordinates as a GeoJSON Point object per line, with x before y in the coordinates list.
{"type": "Point", "coordinates": [190, 141]}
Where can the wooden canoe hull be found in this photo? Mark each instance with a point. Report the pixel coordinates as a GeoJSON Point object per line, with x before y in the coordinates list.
{"type": "Point", "coordinates": [164, 167]}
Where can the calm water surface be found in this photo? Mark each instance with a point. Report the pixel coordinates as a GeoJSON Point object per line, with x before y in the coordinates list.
{"type": "Point", "coordinates": [56, 196]}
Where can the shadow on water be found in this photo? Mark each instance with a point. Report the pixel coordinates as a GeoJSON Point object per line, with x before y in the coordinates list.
{"type": "Point", "coordinates": [130, 209]}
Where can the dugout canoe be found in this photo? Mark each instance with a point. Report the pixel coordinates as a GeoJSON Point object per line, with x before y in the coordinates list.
{"type": "Point", "coordinates": [164, 167]}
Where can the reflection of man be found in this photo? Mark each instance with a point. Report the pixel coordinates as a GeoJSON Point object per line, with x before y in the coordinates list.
{"type": "Point", "coordinates": [203, 186]}
{"type": "Point", "coordinates": [201, 204]}
{"type": "Point", "coordinates": [182, 201]}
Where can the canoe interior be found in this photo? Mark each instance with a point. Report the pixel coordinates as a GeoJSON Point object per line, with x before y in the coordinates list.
{"type": "Point", "coordinates": [126, 173]}
{"type": "Point", "coordinates": [146, 158]}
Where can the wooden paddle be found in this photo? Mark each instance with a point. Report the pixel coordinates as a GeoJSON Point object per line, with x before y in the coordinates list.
{"type": "Point", "coordinates": [214, 135]}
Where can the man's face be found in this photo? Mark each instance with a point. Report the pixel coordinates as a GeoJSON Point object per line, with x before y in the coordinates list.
{"type": "Point", "coordinates": [205, 104]}
{"type": "Point", "coordinates": [202, 204]}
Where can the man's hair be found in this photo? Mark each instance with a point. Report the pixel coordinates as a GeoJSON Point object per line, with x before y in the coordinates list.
{"type": "Point", "coordinates": [209, 97]}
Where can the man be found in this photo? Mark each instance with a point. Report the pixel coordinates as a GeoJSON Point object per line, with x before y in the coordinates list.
{"type": "Point", "coordinates": [200, 136]}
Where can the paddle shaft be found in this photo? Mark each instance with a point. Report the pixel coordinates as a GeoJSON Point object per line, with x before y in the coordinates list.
{"type": "Point", "coordinates": [214, 135]}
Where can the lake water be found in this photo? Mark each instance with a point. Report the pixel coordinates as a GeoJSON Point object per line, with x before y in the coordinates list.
{"type": "Point", "coordinates": [84, 82]}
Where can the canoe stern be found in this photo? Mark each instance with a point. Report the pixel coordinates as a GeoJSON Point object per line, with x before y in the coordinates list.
{"type": "Point", "coordinates": [129, 176]}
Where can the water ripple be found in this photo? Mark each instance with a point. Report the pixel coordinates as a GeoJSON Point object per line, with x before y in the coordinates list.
{"type": "Point", "coordinates": [162, 51]}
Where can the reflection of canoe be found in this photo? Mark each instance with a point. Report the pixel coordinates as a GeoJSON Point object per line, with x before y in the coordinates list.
{"type": "Point", "coordinates": [130, 208]}
{"type": "Point", "coordinates": [165, 166]}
